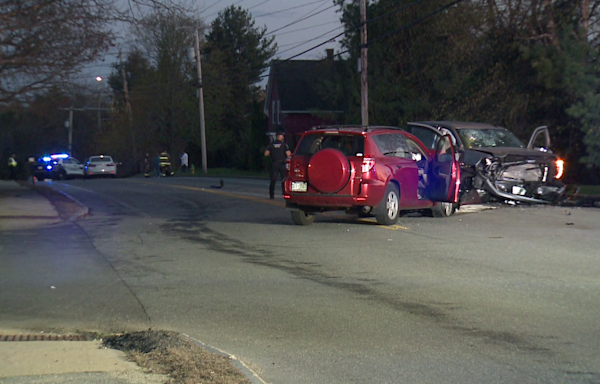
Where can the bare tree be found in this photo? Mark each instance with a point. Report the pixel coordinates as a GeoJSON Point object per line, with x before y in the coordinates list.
{"type": "Point", "coordinates": [43, 42]}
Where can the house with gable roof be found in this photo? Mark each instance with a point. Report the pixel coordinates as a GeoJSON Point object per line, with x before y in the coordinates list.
{"type": "Point", "coordinates": [294, 98]}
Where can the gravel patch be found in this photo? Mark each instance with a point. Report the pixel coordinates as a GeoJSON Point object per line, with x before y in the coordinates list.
{"type": "Point", "coordinates": [176, 356]}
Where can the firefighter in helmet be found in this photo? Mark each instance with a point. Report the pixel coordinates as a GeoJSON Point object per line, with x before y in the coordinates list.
{"type": "Point", "coordinates": [165, 164]}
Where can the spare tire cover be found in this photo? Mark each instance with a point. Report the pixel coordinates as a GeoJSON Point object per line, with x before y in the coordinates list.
{"type": "Point", "coordinates": [328, 170]}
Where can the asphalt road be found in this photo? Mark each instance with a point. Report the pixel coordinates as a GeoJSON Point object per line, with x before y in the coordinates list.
{"type": "Point", "coordinates": [506, 295]}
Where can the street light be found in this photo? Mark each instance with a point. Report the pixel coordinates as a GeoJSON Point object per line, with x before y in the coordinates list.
{"type": "Point", "coordinates": [99, 80]}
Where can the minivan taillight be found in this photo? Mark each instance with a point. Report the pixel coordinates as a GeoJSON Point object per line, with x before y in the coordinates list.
{"type": "Point", "coordinates": [368, 164]}
{"type": "Point", "coordinates": [287, 163]}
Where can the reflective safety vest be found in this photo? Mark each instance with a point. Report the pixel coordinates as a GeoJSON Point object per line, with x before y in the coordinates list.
{"type": "Point", "coordinates": [12, 162]}
{"type": "Point", "coordinates": [164, 159]}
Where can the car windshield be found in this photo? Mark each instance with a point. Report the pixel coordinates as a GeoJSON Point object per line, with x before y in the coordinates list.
{"type": "Point", "coordinates": [349, 144]}
{"type": "Point", "coordinates": [478, 138]}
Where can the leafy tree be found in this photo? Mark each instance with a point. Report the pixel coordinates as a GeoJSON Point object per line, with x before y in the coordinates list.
{"type": "Point", "coordinates": [162, 89]}
{"type": "Point", "coordinates": [160, 82]}
{"type": "Point", "coordinates": [517, 64]}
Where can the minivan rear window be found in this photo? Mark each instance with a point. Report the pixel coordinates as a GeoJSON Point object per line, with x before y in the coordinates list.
{"type": "Point", "coordinates": [348, 144]}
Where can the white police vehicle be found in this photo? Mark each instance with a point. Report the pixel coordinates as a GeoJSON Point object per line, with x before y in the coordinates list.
{"type": "Point", "coordinates": [58, 166]}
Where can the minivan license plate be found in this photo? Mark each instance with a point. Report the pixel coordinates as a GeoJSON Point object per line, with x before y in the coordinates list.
{"type": "Point", "coordinates": [298, 186]}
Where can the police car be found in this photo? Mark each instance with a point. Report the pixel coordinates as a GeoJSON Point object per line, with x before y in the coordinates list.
{"type": "Point", "coordinates": [58, 166]}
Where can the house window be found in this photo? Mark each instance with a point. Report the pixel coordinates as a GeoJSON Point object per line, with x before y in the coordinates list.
{"type": "Point", "coordinates": [278, 112]}
{"type": "Point", "coordinates": [273, 112]}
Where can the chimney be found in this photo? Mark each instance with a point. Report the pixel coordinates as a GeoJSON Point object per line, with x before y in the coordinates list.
{"type": "Point", "coordinates": [329, 53]}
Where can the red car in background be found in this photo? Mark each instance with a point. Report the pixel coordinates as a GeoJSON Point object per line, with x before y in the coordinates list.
{"type": "Point", "coordinates": [370, 171]}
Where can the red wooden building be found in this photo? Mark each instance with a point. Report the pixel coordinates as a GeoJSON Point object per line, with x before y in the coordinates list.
{"type": "Point", "coordinates": [296, 97]}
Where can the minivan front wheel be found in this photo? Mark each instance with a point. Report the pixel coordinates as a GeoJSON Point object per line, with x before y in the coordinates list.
{"type": "Point", "coordinates": [302, 218]}
{"type": "Point", "coordinates": [443, 209]}
{"type": "Point", "coordinates": [388, 211]}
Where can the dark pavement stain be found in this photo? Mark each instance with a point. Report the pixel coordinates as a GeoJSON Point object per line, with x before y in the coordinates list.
{"type": "Point", "coordinates": [192, 229]}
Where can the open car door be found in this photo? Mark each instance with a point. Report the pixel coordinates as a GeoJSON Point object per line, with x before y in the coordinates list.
{"type": "Point", "coordinates": [426, 133]}
{"type": "Point", "coordinates": [540, 139]}
{"type": "Point", "coordinates": [444, 177]}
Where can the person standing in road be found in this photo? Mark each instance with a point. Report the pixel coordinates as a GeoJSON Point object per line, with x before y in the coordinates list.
{"type": "Point", "coordinates": [279, 152]}
{"type": "Point", "coordinates": [184, 161]}
{"type": "Point", "coordinates": [147, 165]}
{"type": "Point", "coordinates": [12, 167]}
{"type": "Point", "coordinates": [156, 165]}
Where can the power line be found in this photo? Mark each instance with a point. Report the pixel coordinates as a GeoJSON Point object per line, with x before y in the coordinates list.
{"type": "Point", "coordinates": [377, 39]}
{"type": "Point", "coordinates": [370, 21]}
{"type": "Point", "coordinates": [355, 28]}
{"type": "Point", "coordinates": [313, 39]}
{"type": "Point", "coordinates": [216, 13]}
{"type": "Point", "coordinates": [210, 6]}
{"type": "Point", "coordinates": [418, 21]}
{"type": "Point", "coordinates": [299, 20]}
{"type": "Point", "coordinates": [259, 4]}
{"type": "Point", "coordinates": [289, 9]}
{"type": "Point", "coordinates": [304, 17]}
{"type": "Point", "coordinates": [309, 27]}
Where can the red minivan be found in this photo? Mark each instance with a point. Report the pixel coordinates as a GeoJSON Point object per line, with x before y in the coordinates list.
{"type": "Point", "coordinates": [371, 171]}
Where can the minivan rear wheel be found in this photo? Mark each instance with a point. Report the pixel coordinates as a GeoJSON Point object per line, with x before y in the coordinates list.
{"type": "Point", "coordinates": [302, 218]}
{"type": "Point", "coordinates": [388, 211]}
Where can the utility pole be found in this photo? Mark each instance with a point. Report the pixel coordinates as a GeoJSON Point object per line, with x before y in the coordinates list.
{"type": "Point", "coordinates": [201, 101]}
{"type": "Point", "coordinates": [364, 86]}
{"type": "Point", "coordinates": [69, 125]}
{"type": "Point", "coordinates": [70, 147]}
{"type": "Point", "coordinates": [128, 107]}
{"type": "Point", "coordinates": [99, 80]}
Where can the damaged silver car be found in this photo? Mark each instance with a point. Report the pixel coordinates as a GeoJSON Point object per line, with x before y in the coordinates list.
{"type": "Point", "coordinates": [496, 165]}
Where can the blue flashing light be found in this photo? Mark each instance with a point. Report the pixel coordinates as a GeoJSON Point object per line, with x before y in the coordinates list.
{"type": "Point", "coordinates": [48, 167]}
{"type": "Point", "coordinates": [46, 158]}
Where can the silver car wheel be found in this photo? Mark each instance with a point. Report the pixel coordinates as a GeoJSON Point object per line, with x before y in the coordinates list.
{"type": "Point", "coordinates": [392, 205]}
{"type": "Point", "coordinates": [443, 209]}
{"type": "Point", "coordinates": [447, 208]}
{"type": "Point", "coordinates": [388, 211]}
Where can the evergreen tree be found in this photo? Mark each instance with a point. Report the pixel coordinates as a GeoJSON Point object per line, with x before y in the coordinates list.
{"type": "Point", "coordinates": [242, 51]}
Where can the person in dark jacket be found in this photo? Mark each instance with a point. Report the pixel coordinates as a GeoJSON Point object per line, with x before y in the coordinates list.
{"type": "Point", "coordinates": [156, 165]}
{"type": "Point", "coordinates": [279, 152]}
{"type": "Point", "coordinates": [147, 165]}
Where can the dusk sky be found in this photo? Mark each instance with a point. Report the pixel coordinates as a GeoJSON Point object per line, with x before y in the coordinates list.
{"type": "Point", "coordinates": [297, 25]}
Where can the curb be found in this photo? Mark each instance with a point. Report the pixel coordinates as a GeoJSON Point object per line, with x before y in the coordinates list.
{"type": "Point", "coordinates": [243, 368]}
{"type": "Point", "coordinates": [84, 211]}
